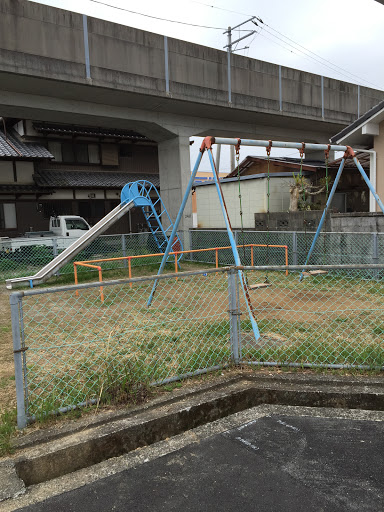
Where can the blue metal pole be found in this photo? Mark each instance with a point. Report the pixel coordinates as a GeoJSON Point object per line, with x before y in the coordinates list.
{"type": "Point", "coordinates": [331, 194]}
{"type": "Point", "coordinates": [176, 224]}
{"type": "Point", "coordinates": [370, 186]}
{"type": "Point", "coordinates": [233, 245]}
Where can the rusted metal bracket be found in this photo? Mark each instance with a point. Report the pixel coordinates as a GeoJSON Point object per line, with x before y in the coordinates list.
{"type": "Point", "coordinates": [207, 143]}
{"type": "Point", "coordinates": [23, 349]}
{"type": "Point", "coordinates": [349, 153]}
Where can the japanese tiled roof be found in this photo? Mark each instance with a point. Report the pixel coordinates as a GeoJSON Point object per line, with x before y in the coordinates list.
{"type": "Point", "coordinates": [22, 189]}
{"type": "Point", "coordinates": [94, 179]}
{"type": "Point", "coordinates": [12, 147]}
{"type": "Point", "coordinates": [88, 131]}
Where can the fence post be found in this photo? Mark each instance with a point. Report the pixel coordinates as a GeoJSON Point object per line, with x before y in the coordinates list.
{"type": "Point", "coordinates": [15, 302]}
{"type": "Point", "coordinates": [124, 250]}
{"type": "Point", "coordinates": [294, 248]}
{"type": "Point", "coordinates": [234, 315]}
{"type": "Point", "coordinates": [55, 253]}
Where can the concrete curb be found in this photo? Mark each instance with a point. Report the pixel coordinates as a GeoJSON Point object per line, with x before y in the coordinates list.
{"type": "Point", "coordinates": [43, 456]}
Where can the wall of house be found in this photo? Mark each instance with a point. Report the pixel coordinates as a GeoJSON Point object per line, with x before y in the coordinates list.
{"type": "Point", "coordinates": [378, 146]}
{"type": "Point", "coordinates": [351, 191]}
{"type": "Point", "coordinates": [6, 172]}
{"type": "Point", "coordinates": [33, 215]}
{"type": "Point", "coordinates": [24, 172]}
{"type": "Point", "coordinates": [254, 200]}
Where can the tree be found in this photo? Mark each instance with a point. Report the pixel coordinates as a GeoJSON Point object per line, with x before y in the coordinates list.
{"type": "Point", "coordinates": [300, 190]}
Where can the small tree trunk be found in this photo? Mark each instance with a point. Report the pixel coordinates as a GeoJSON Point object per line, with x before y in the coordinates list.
{"type": "Point", "coordinates": [294, 199]}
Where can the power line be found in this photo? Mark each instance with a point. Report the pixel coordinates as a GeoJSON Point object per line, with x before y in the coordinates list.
{"type": "Point", "coordinates": [334, 67]}
{"type": "Point", "coordinates": [154, 17]}
{"type": "Point", "coordinates": [329, 63]}
{"type": "Point", "coordinates": [287, 47]}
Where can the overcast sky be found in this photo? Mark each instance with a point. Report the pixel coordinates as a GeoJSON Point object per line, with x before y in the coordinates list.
{"type": "Point", "coordinates": [342, 39]}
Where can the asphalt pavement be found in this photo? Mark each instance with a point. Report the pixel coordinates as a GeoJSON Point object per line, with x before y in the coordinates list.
{"type": "Point", "coordinates": [271, 463]}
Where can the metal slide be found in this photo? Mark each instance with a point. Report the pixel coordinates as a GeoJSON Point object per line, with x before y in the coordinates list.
{"type": "Point", "coordinates": [71, 251]}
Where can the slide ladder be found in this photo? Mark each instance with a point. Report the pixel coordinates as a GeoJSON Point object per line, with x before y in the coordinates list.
{"type": "Point", "coordinates": [145, 195]}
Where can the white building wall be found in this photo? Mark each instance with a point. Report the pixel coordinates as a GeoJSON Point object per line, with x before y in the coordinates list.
{"type": "Point", "coordinates": [114, 194]}
{"type": "Point", "coordinates": [85, 194]}
{"type": "Point", "coordinates": [253, 198]}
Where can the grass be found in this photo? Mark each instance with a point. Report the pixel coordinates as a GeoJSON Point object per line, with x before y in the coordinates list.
{"type": "Point", "coordinates": [7, 430]}
{"type": "Point", "coordinates": [187, 329]}
{"type": "Point", "coordinates": [111, 380]}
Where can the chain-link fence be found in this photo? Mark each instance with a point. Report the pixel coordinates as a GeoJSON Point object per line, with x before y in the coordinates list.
{"type": "Point", "coordinates": [73, 349]}
{"type": "Point", "coordinates": [20, 258]}
{"type": "Point", "coordinates": [26, 257]}
{"type": "Point", "coordinates": [331, 248]}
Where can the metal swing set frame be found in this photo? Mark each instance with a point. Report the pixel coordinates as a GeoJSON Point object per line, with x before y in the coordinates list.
{"type": "Point", "coordinates": [206, 145]}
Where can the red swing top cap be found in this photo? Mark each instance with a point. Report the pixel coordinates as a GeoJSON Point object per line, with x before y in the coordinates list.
{"type": "Point", "coordinates": [207, 143]}
{"type": "Point", "coordinates": [349, 153]}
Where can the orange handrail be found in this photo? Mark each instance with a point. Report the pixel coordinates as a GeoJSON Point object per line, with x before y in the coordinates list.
{"type": "Point", "coordinates": [81, 263]}
{"type": "Point", "coordinates": [174, 253]}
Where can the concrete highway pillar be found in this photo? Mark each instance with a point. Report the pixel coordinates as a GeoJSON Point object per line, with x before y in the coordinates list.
{"type": "Point", "coordinates": [175, 171]}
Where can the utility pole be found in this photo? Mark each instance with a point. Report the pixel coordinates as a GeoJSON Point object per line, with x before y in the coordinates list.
{"type": "Point", "coordinates": [229, 51]}
{"type": "Point", "coordinates": [230, 45]}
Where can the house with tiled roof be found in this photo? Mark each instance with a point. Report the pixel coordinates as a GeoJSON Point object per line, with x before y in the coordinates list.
{"type": "Point", "coordinates": [258, 178]}
{"type": "Point", "coordinates": [17, 164]}
{"type": "Point", "coordinates": [61, 169]}
{"type": "Point", "coordinates": [367, 133]}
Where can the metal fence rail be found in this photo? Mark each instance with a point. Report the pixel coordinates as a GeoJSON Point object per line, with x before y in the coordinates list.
{"type": "Point", "coordinates": [73, 349]}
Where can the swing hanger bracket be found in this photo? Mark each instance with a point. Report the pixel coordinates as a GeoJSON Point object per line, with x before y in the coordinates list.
{"type": "Point", "coordinates": [349, 153]}
{"type": "Point", "coordinates": [302, 149]}
{"type": "Point", "coordinates": [207, 144]}
{"type": "Point", "coordinates": [237, 147]}
{"type": "Point", "coordinates": [269, 147]}
{"type": "Point", "coordinates": [326, 152]}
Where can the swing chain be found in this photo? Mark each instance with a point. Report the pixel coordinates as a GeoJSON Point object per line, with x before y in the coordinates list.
{"type": "Point", "coordinates": [326, 153]}
{"type": "Point", "coordinates": [269, 147]}
{"type": "Point", "coordinates": [301, 181]}
{"type": "Point", "coordinates": [237, 148]}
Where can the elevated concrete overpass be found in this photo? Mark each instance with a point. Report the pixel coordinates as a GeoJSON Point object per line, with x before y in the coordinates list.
{"type": "Point", "coordinates": [56, 65]}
